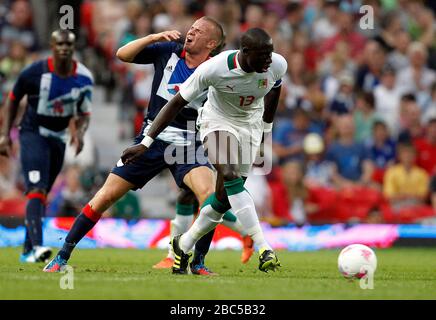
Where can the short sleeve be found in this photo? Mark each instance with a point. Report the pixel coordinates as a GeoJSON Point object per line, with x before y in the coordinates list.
{"type": "Point", "coordinates": [21, 85]}
{"type": "Point", "coordinates": [153, 52]}
{"type": "Point", "coordinates": [280, 66]}
{"type": "Point", "coordinates": [86, 102]}
{"type": "Point", "coordinates": [198, 82]}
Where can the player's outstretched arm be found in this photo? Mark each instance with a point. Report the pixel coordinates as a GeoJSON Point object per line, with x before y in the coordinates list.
{"type": "Point", "coordinates": [9, 115]}
{"type": "Point", "coordinates": [162, 120]}
{"type": "Point", "coordinates": [129, 51]}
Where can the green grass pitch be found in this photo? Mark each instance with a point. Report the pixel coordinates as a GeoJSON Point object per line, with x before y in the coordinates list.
{"type": "Point", "coordinates": [404, 273]}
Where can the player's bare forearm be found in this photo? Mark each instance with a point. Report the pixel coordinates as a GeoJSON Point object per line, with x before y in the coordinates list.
{"type": "Point", "coordinates": [167, 115]}
{"type": "Point", "coordinates": [129, 51]}
{"type": "Point", "coordinates": [82, 124]}
{"type": "Point", "coordinates": [77, 135]}
{"type": "Point", "coordinates": [271, 102]}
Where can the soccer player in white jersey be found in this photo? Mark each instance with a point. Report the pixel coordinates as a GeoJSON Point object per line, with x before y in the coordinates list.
{"type": "Point", "coordinates": [243, 93]}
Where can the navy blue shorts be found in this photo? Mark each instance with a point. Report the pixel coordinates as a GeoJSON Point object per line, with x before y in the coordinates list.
{"type": "Point", "coordinates": [41, 160]}
{"type": "Point", "coordinates": [161, 155]}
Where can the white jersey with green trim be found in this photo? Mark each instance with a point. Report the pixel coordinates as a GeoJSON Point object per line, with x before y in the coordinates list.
{"type": "Point", "coordinates": [234, 94]}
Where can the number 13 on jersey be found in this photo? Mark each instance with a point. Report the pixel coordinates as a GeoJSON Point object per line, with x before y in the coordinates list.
{"type": "Point", "coordinates": [245, 101]}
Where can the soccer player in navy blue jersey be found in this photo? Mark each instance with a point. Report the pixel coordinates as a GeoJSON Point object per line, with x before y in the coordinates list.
{"type": "Point", "coordinates": [58, 90]}
{"type": "Point", "coordinates": [173, 62]}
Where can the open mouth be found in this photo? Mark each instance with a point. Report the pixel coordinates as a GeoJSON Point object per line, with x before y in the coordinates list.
{"type": "Point", "coordinates": [188, 40]}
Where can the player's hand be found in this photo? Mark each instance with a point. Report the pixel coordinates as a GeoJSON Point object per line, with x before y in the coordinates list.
{"type": "Point", "coordinates": [168, 36]}
{"type": "Point", "coordinates": [132, 153]}
{"type": "Point", "coordinates": [5, 146]}
{"type": "Point", "coordinates": [77, 141]}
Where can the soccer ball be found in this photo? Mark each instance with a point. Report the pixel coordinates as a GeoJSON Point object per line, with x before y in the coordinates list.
{"type": "Point", "coordinates": [356, 260]}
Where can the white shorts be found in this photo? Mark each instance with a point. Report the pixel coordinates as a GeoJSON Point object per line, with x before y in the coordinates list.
{"type": "Point", "coordinates": [249, 136]}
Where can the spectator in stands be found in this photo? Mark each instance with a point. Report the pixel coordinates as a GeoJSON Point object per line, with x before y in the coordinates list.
{"type": "Point", "coordinates": [254, 15]}
{"type": "Point", "coordinates": [424, 30]}
{"type": "Point", "coordinates": [293, 20]}
{"type": "Point", "coordinates": [391, 28]}
{"type": "Point", "coordinates": [410, 120]}
{"type": "Point", "coordinates": [68, 196]}
{"type": "Point", "coordinates": [368, 75]}
{"type": "Point", "coordinates": [364, 116]}
{"type": "Point", "coordinates": [406, 184]}
{"type": "Point", "coordinates": [344, 100]}
{"type": "Point", "coordinates": [387, 99]}
{"type": "Point", "coordinates": [288, 136]}
{"type": "Point", "coordinates": [326, 26]}
{"type": "Point", "coordinates": [319, 171]}
{"type": "Point", "coordinates": [337, 64]}
{"type": "Point", "coordinates": [316, 97]}
{"type": "Point", "coordinates": [426, 155]}
{"type": "Point", "coordinates": [12, 64]}
{"type": "Point", "coordinates": [382, 150]}
{"type": "Point", "coordinates": [294, 79]}
{"type": "Point", "coordinates": [429, 106]}
{"type": "Point", "coordinates": [417, 77]}
{"type": "Point", "coordinates": [346, 33]}
{"type": "Point", "coordinates": [353, 166]}
{"type": "Point", "coordinates": [19, 28]}
{"type": "Point", "coordinates": [398, 58]}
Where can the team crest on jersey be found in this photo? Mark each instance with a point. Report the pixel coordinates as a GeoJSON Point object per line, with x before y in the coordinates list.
{"type": "Point", "coordinates": [174, 90]}
{"type": "Point", "coordinates": [262, 83]}
{"type": "Point", "coordinates": [34, 176]}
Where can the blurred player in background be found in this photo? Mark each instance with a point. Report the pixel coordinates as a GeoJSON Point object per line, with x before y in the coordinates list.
{"type": "Point", "coordinates": [59, 92]}
{"type": "Point", "coordinates": [174, 62]}
{"type": "Point", "coordinates": [243, 92]}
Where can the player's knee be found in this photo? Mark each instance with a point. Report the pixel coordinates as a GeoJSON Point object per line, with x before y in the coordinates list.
{"type": "Point", "coordinates": [204, 192]}
{"type": "Point", "coordinates": [186, 197]}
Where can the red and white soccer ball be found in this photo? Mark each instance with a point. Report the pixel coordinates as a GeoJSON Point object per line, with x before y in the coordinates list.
{"type": "Point", "coordinates": [356, 260]}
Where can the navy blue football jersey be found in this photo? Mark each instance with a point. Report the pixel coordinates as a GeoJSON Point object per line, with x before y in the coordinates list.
{"type": "Point", "coordinates": [52, 100]}
{"type": "Point", "coordinates": [170, 72]}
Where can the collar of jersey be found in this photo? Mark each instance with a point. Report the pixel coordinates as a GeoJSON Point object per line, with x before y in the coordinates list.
{"type": "Point", "coordinates": [51, 68]}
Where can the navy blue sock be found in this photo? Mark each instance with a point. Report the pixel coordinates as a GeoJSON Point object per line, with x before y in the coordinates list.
{"type": "Point", "coordinates": [202, 247]}
{"type": "Point", "coordinates": [82, 225]}
{"type": "Point", "coordinates": [27, 243]}
{"type": "Point", "coordinates": [34, 212]}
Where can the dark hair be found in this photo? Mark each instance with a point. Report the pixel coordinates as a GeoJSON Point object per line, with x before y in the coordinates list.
{"type": "Point", "coordinates": [368, 97]}
{"type": "Point", "coordinates": [379, 123]}
{"type": "Point", "coordinates": [254, 37]}
{"type": "Point", "coordinates": [406, 146]}
{"type": "Point", "coordinates": [408, 97]}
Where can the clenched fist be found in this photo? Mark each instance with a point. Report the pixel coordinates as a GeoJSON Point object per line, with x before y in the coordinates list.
{"type": "Point", "coordinates": [132, 153]}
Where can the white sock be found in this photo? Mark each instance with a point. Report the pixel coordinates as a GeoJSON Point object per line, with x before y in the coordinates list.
{"type": "Point", "coordinates": [244, 209]}
{"type": "Point", "coordinates": [180, 224]}
{"type": "Point", "coordinates": [235, 226]}
{"type": "Point", "coordinates": [206, 221]}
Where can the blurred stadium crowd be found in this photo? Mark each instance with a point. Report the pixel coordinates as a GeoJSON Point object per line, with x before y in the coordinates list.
{"type": "Point", "coordinates": [355, 134]}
